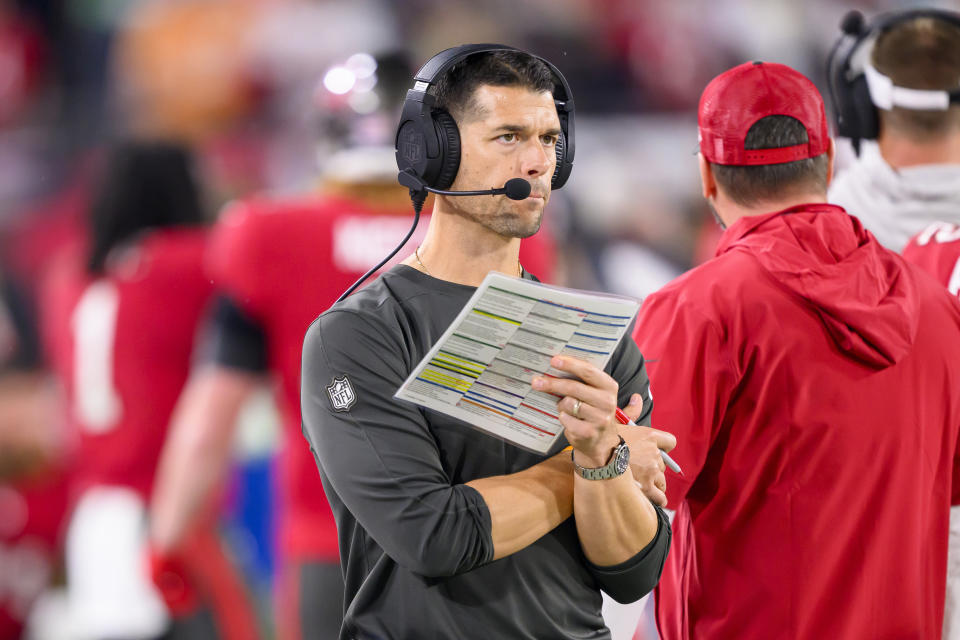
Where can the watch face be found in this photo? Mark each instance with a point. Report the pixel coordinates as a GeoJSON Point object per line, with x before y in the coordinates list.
{"type": "Point", "coordinates": [623, 459]}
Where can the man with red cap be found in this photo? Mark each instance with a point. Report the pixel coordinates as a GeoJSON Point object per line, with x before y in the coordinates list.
{"type": "Point", "coordinates": [810, 377]}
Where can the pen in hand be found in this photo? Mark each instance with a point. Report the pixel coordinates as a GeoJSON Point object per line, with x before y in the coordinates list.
{"type": "Point", "coordinates": [622, 418]}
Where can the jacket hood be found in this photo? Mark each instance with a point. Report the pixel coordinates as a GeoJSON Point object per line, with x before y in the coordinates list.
{"type": "Point", "coordinates": [922, 183]}
{"type": "Point", "coordinates": [896, 204]}
{"type": "Point", "coordinates": [864, 295]}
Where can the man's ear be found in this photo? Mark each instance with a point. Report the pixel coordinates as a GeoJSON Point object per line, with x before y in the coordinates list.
{"type": "Point", "coordinates": [707, 182]}
{"type": "Point", "coordinates": [831, 156]}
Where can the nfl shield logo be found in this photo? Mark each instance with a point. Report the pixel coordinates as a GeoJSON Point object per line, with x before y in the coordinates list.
{"type": "Point", "coordinates": [410, 145]}
{"type": "Point", "coordinates": [341, 394]}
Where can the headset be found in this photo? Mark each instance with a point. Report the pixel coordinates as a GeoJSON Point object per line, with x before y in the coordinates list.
{"type": "Point", "coordinates": [857, 89]}
{"type": "Point", "coordinates": [428, 140]}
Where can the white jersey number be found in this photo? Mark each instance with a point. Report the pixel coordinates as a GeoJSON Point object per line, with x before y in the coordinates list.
{"type": "Point", "coordinates": [953, 286]}
{"type": "Point", "coordinates": [96, 402]}
{"type": "Point", "coordinates": [939, 232]}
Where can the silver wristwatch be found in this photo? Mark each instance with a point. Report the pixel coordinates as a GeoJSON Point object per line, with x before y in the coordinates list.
{"type": "Point", "coordinates": [619, 462]}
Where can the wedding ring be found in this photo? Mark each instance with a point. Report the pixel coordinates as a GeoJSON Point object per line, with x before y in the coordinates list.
{"type": "Point", "coordinates": [576, 409]}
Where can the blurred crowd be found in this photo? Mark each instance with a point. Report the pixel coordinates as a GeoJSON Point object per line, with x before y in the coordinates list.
{"type": "Point", "coordinates": [270, 97]}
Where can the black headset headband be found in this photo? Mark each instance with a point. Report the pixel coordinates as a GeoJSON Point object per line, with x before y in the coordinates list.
{"type": "Point", "coordinates": [855, 115]}
{"type": "Point", "coordinates": [428, 141]}
{"type": "Point", "coordinates": [439, 64]}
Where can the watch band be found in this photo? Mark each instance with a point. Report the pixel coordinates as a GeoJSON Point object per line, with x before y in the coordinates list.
{"type": "Point", "coordinates": [619, 461]}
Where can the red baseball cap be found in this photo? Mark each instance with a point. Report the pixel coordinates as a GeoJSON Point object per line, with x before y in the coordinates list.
{"type": "Point", "coordinates": [736, 99]}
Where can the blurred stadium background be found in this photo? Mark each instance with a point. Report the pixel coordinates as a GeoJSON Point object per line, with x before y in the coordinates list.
{"type": "Point", "coordinates": [266, 90]}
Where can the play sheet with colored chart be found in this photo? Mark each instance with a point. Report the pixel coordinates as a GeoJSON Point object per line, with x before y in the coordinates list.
{"type": "Point", "coordinates": [481, 368]}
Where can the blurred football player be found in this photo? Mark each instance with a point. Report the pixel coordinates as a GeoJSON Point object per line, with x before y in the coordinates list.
{"type": "Point", "coordinates": [119, 325]}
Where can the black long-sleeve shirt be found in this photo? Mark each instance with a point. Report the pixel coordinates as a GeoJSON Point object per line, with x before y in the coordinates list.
{"type": "Point", "coordinates": [414, 539]}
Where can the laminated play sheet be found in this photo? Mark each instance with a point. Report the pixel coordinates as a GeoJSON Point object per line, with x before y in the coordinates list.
{"type": "Point", "coordinates": [480, 369]}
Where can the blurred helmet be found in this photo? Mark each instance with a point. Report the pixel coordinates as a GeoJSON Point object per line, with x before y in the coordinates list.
{"type": "Point", "coordinates": [358, 102]}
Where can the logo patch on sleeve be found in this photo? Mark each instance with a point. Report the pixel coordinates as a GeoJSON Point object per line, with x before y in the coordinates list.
{"type": "Point", "coordinates": [341, 394]}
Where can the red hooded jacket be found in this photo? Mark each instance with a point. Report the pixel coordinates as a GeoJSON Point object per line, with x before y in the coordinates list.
{"type": "Point", "coordinates": [812, 379]}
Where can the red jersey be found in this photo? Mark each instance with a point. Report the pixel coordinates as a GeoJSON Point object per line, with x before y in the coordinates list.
{"type": "Point", "coordinates": [936, 250]}
{"type": "Point", "coordinates": [811, 379]}
{"type": "Point", "coordinates": [121, 344]}
{"type": "Point", "coordinates": [284, 263]}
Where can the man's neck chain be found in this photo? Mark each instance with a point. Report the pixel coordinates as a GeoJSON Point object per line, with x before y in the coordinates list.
{"type": "Point", "coordinates": [416, 254]}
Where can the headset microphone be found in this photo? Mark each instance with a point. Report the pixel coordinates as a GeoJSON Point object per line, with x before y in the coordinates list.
{"type": "Point", "coordinates": [515, 188]}
{"type": "Point", "coordinates": [853, 23]}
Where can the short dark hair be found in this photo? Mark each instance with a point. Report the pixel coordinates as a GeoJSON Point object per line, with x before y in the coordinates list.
{"type": "Point", "coordinates": [749, 185]}
{"type": "Point", "coordinates": [923, 53]}
{"type": "Point", "coordinates": [455, 89]}
{"type": "Point", "coordinates": [145, 185]}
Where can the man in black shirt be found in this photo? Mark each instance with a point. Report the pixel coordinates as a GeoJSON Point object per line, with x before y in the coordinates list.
{"type": "Point", "coordinates": [446, 532]}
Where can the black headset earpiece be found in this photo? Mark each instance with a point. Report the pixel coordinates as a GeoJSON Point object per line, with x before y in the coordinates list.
{"type": "Point", "coordinates": [561, 149]}
{"type": "Point", "coordinates": [449, 136]}
{"type": "Point", "coordinates": [428, 140]}
{"type": "Point", "coordinates": [843, 91]}
{"type": "Point", "coordinates": [855, 115]}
